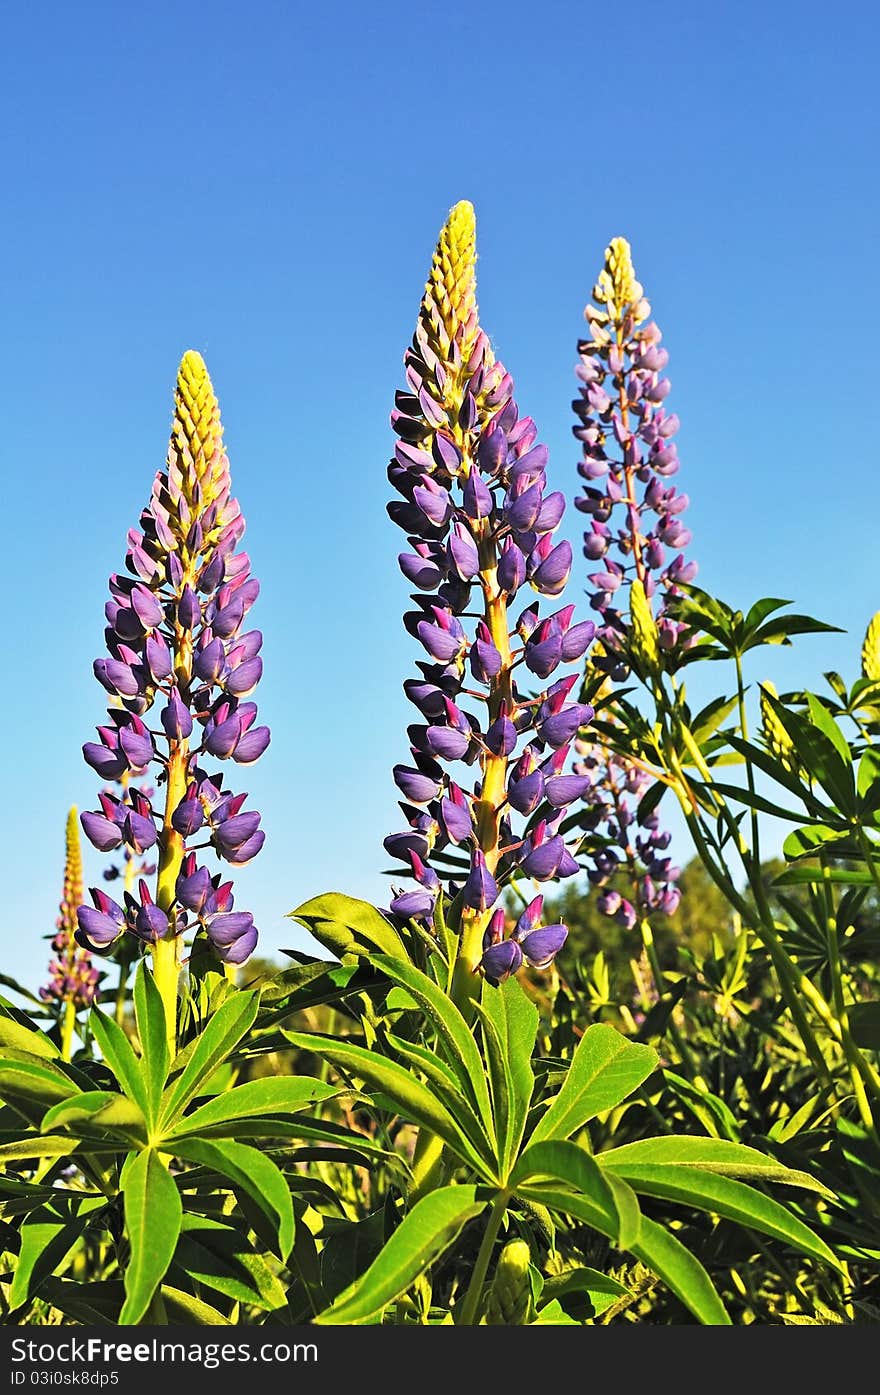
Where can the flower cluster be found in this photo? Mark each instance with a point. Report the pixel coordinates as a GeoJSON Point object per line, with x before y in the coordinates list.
{"type": "Point", "coordinates": [480, 520]}
{"type": "Point", "coordinates": [628, 457]}
{"type": "Point", "coordinates": [624, 843]}
{"type": "Point", "coordinates": [73, 977]}
{"type": "Point", "coordinates": [178, 648]}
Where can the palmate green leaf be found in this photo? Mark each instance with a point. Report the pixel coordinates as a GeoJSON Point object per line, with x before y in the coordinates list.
{"type": "Point", "coordinates": [442, 1081]}
{"type": "Point", "coordinates": [119, 1055]}
{"type": "Point", "coordinates": [604, 1070]}
{"type": "Point", "coordinates": [47, 1237]}
{"type": "Point", "coordinates": [423, 1235]}
{"type": "Point", "coordinates": [255, 1100]}
{"type": "Point", "coordinates": [515, 1022]}
{"type": "Point", "coordinates": [408, 1095]}
{"type": "Point", "coordinates": [219, 1257]}
{"type": "Point", "coordinates": [717, 1155]}
{"type": "Point", "coordinates": [256, 1174]}
{"type": "Point", "coordinates": [345, 925]}
{"type": "Point", "coordinates": [94, 1111]}
{"type": "Point", "coordinates": [459, 1046]}
{"type": "Point", "coordinates": [153, 1213]}
{"type": "Point", "coordinates": [217, 1041]}
{"type": "Point", "coordinates": [149, 1011]}
{"type": "Point", "coordinates": [726, 1196]}
{"type": "Point", "coordinates": [542, 1166]}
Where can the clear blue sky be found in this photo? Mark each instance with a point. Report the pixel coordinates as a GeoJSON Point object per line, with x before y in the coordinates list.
{"type": "Point", "coordinates": [265, 184]}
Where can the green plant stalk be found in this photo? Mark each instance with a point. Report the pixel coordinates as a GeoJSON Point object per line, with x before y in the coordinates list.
{"type": "Point", "coordinates": [471, 1304]}
{"type": "Point", "coordinates": [675, 1031]}
{"type": "Point", "coordinates": [68, 1024]}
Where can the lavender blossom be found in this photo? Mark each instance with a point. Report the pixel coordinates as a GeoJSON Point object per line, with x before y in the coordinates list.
{"type": "Point", "coordinates": [180, 667]}
{"type": "Point", "coordinates": [480, 525]}
{"type": "Point", "coordinates": [628, 458]}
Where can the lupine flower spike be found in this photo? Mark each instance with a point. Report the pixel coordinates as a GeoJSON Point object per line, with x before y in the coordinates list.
{"type": "Point", "coordinates": [628, 457]}
{"type": "Point", "coordinates": [480, 527]}
{"type": "Point", "coordinates": [180, 670]}
{"type": "Point", "coordinates": [73, 977]}
{"type": "Point", "coordinates": [871, 651]}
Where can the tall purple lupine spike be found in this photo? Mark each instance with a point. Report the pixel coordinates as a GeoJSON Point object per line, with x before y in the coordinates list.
{"type": "Point", "coordinates": [73, 976]}
{"type": "Point", "coordinates": [177, 651]}
{"type": "Point", "coordinates": [472, 484]}
{"type": "Point", "coordinates": [628, 457]}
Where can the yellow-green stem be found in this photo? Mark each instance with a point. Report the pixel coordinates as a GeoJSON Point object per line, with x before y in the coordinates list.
{"type": "Point", "coordinates": [67, 1027]}
{"type": "Point", "coordinates": [166, 972]}
{"type": "Point", "coordinates": [471, 1305]}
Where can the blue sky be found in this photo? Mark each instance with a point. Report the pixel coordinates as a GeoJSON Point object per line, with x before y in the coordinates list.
{"type": "Point", "coordinates": [267, 188]}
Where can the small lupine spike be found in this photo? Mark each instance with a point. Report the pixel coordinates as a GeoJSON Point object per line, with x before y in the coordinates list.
{"type": "Point", "coordinates": [73, 978]}
{"type": "Point", "coordinates": [196, 426]}
{"type": "Point", "coordinates": [776, 738]}
{"type": "Point", "coordinates": [871, 651]}
{"type": "Point", "coordinates": [510, 1302]}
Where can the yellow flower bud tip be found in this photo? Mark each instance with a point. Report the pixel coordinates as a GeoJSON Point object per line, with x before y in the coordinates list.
{"type": "Point", "coordinates": [617, 286]}
{"type": "Point", "coordinates": [871, 651]}
{"type": "Point", "coordinates": [451, 289]}
{"type": "Point", "coordinates": [196, 428]}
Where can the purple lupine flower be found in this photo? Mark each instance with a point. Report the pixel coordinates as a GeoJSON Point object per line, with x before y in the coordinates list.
{"type": "Point", "coordinates": [628, 460]}
{"type": "Point", "coordinates": [481, 525]}
{"type": "Point", "coordinates": [178, 650]}
{"type": "Point", "coordinates": [626, 443]}
{"type": "Point", "coordinates": [528, 940]}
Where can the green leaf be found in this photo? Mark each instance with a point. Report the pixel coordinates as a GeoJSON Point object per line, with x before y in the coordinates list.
{"type": "Point", "coordinates": [442, 1080]}
{"type": "Point", "coordinates": [20, 1037]}
{"type": "Point", "coordinates": [255, 1174]}
{"type": "Point", "coordinates": [219, 1257]}
{"type": "Point", "coordinates": [149, 1011]}
{"type": "Point", "coordinates": [807, 842]}
{"type": "Point", "coordinates": [256, 1099]}
{"type": "Point", "coordinates": [35, 1146]}
{"type": "Point", "coordinates": [778, 631]}
{"type": "Point", "coordinates": [33, 1085]}
{"type": "Point", "coordinates": [408, 1095]}
{"type": "Point", "coordinates": [707, 722]}
{"type": "Point", "coordinates": [727, 1197]}
{"type": "Point", "coordinates": [118, 1053]}
{"type": "Point", "coordinates": [864, 1025]}
{"type": "Point", "coordinates": [515, 1022]}
{"type": "Point", "coordinates": [46, 1240]}
{"type": "Point", "coordinates": [682, 1272]}
{"type": "Point", "coordinates": [600, 1290]}
{"type": "Point", "coordinates": [97, 1110]}
{"type": "Point", "coordinates": [183, 1308]}
{"type": "Point", "coordinates": [712, 1112]}
{"type": "Point", "coordinates": [868, 782]}
{"type": "Point", "coordinates": [423, 1235]}
{"type": "Point", "coordinates": [593, 1197]}
{"type": "Point", "coordinates": [94, 1304]}
{"type": "Point", "coordinates": [459, 1045]}
{"type": "Point", "coordinates": [345, 925]}
{"type": "Point", "coordinates": [153, 1214]}
{"type": "Point", "coordinates": [802, 875]}
{"type": "Point", "coordinates": [717, 1155]}
{"type": "Point", "coordinates": [604, 1070]}
{"type": "Point", "coordinates": [219, 1038]}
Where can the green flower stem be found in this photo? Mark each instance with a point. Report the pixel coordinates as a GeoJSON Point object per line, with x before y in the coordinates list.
{"type": "Point", "coordinates": [67, 1028]}
{"type": "Point", "coordinates": [470, 1306]}
{"type": "Point", "coordinates": [166, 972]}
{"type": "Point", "coordinates": [750, 774]}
